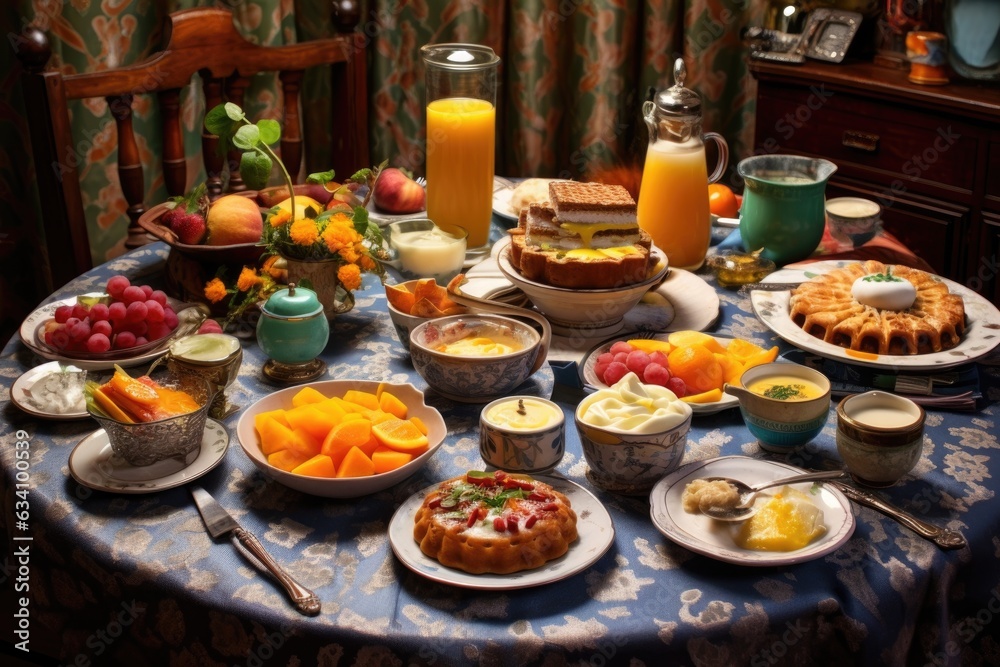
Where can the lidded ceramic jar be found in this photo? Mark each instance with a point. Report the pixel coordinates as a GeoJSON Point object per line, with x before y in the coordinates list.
{"type": "Point", "coordinates": [293, 331]}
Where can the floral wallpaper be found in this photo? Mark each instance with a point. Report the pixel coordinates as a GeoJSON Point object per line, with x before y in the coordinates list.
{"type": "Point", "coordinates": [573, 77]}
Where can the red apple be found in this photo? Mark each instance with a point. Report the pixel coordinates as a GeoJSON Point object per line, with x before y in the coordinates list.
{"type": "Point", "coordinates": [395, 192]}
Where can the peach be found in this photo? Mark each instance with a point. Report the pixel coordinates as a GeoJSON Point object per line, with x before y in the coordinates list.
{"type": "Point", "coordinates": [395, 192]}
{"type": "Point", "coordinates": [234, 219]}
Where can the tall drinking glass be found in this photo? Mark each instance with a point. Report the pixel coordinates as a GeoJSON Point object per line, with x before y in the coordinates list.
{"type": "Point", "coordinates": [461, 81]}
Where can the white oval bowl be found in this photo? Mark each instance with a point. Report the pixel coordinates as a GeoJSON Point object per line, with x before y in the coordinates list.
{"type": "Point", "coordinates": [346, 487]}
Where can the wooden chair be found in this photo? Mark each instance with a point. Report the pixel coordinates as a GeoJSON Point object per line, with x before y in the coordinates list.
{"type": "Point", "coordinates": [202, 41]}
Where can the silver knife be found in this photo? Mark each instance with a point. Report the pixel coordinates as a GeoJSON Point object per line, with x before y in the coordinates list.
{"type": "Point", "coordinates": [219, 522]}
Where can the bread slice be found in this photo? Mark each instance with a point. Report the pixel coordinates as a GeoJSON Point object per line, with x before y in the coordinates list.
{"type": "Point", "coordinates": [609, 268]}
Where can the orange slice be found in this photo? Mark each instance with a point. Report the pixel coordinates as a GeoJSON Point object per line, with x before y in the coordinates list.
{"type": "Point", "coordinates": [400, 434]}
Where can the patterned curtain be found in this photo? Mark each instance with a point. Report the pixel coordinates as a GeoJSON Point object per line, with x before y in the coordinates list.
{"type": "Point", "coordinates": [574, 75]}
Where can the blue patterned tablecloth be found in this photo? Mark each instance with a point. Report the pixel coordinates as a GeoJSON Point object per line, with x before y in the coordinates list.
{"type": "Point", "coordinates": [135, 579]}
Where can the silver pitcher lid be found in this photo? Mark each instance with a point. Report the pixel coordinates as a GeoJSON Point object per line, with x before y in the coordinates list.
{"type": "Point", "coordinates": [678, 100]}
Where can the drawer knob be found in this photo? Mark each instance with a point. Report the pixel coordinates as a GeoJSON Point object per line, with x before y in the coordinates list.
{"type": "Point", "coordinates": [862, 141]}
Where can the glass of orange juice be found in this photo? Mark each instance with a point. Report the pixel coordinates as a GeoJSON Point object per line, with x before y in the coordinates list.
{"type": "Point", "coordinates": [461, 83]}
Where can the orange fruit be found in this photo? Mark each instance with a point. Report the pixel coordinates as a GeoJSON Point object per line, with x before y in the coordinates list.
{"type": "Point", "coordinates": [722, 202]}
{"type": "Point", "coordinates": [743, 349]}
{"type": "Point", "coordinates": [687, 338]}
{"type": "Point", "coordinates": [697, 366]}
{"type": "Point", "coordinates": [400, 434]}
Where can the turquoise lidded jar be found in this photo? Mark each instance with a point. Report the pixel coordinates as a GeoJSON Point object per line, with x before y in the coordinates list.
{"type": "Point", "coordinates": [293, 331]}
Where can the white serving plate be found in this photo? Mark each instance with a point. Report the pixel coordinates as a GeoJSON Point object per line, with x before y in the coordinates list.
{"type": "Point", "coordinates": [594, 527]}
{"type": "Point", "coordinates": [19, 392]}
{"type": "Point", "coordinates": [93, 464]}
{"type": "Point", "coordinates": [714, 539]}
{"type": "Point", "coordinates": [981, 335]}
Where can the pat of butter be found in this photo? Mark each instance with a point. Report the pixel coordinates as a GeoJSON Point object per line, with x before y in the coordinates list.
{"type": "Point", "coordinates": [629, 406]}
{"type": "Point", "coordinates": [523, 414]}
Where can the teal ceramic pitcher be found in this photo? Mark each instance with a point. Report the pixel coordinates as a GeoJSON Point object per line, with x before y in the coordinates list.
{"type": "Point", "coordinates": [783, 205]}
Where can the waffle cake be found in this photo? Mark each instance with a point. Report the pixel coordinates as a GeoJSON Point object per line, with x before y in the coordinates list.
{"type": "Point", "coordinates": [828, 308]}
{"type": "Point", "coordinates": [585, 237]}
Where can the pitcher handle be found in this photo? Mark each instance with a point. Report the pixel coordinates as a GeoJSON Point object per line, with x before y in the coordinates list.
{"type": "Point", "coordinates": [720, 168]}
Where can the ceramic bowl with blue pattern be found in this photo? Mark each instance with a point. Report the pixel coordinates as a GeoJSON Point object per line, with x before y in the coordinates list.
{"type": "Point", "coordinates": [476, 358]}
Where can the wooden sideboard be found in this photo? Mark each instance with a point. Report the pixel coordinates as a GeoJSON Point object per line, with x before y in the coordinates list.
{"type": "Point", "coordinates": [930, 155]}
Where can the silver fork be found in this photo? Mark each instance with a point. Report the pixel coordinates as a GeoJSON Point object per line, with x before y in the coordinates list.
{"type": "Point", "coordinates": [421, 181]}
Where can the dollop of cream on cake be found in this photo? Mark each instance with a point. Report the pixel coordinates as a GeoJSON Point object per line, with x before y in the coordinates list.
{"type": "Point", "coordinates": [884, 291]}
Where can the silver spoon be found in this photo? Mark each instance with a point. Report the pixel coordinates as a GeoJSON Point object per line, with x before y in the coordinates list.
{"type": "Point", "coordinates": [748, 494]}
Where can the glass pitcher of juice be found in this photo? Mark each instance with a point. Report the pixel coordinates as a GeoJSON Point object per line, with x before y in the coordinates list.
{"type": "Point", "coordinates": [461, 81]}
{"type": "Point", "coordinates": [673, 197]}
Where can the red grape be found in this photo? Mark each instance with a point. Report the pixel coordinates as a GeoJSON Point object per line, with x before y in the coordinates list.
{"type": "Point", "coordinates": [656, 374]}
{"type": "Point", "coordinates": [133, 294]}
{"type": "Point", "coordinates": [63, 313]}
{"type": "Point", "coordinates": [154, 311]}
{"type": "Point", "coordinates": [600, 367]}
{"type": "Point", "coordinates": [621, 346]}
{"type": "Point", "coordinates": [116, 285]}
{"type": "Point", "coordinates": [170, 317]}
{"type": "Point", "coordinates": [606, 358]}
{"type": "Point", "coordinates": [124, 340]}
{"type": "Point", "coordinates": [210, 326]}
{"type": "Point", "coordinates": [136, 312]}
{"type": "Point", "coordinates": [116, 312]}
{"type": "Point", "coordinates": [657, 357]}
{"type": "Point", "coordinates": [98, 312]}
{"type": "Point", "coordinates": [141, 340]}
{"type": "Point", "coordinates": [615, 372]}
{"type": "Point", "coordinates": [136, 328]}
{"type": "Point", "coordinates": [60, 339]}
{"type": "Point", "coordinates": [98, 343]}
{"type": "Point", "coordinates": [621, 357]}
{"type": "Point", "coordinates": [159, 296]}
{"type": "Point", "coordinates": [637, 361]}
{"type": "Point", "coordinates": [79, 331]}
{"type": "Point", "coordinates": [70, 322]}
{"type": "Point", "coordinates": [157, 330]}
{"type": "Point", "coordinates": [80, 311]}
{"type": "Point", "coordinates": [102, 327]}
{"type": "Point", "coordinates": [146, 290]}
{"type": "Point", "coordinates": [677, 386]}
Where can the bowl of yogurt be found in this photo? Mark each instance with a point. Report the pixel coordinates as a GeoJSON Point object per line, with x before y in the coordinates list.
{"type": "Point", "coordinates": [632, 434]}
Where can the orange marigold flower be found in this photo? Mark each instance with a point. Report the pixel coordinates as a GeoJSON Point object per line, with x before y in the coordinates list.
{"type": "Point", "coordinates": [349, 276]}
{"type": "Point", "coordinates": [349, 254]}
{"type": "Point", "coordinates": [280, 218]}
{"type": "Point", "coordinates": [367, 263]}
{"type": "Point", "coordinates": [304, 231]}
{"type": "Point", "coordinates": [248, 279]}
{"type": "Point", "coordinates": [215, 290]}
{"type": "Point", "coordinates": [338, 236]}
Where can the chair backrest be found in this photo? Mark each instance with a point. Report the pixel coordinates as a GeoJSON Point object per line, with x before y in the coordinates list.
{"type": "Point", "coordinates": [203, 41]}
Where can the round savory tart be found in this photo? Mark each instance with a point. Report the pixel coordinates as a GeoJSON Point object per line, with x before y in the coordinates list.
{"type": "Point", "coordinates": [494, 522]}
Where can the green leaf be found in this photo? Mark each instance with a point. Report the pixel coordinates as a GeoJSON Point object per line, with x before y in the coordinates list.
{"type": "Point", "coordinates": [255, 168]}
{"type": "Point", "coordinates": [234, 112]}
{"type": "Point", "coordinates": [360, 219]}
{"type": "Point", "coordinates": [218, 122]}
{"type": "Point", "coordinates": [361, 175]}
{"type": "Point", "coordinates": [270, 130]}
{"type": "Point", "coordinates": [247, 137]}
{"type": "Point", "coordinates": [321, 177]}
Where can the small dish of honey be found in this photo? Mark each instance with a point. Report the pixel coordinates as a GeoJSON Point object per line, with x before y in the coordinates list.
{"type": "Point", "coordinates": [735, 269]}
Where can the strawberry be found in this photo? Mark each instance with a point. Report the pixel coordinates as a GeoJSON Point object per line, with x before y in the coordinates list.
{"type": "Point", "coordinates": [187, 218]}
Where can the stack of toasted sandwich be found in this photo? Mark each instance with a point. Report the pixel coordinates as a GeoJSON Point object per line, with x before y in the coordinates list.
{"type": "Point", "coordinates": [585, 237]}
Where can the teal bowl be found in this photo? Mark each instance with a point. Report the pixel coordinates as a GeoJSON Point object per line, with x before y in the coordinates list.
{"type": "Point", "coordinates": [781, 425]}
